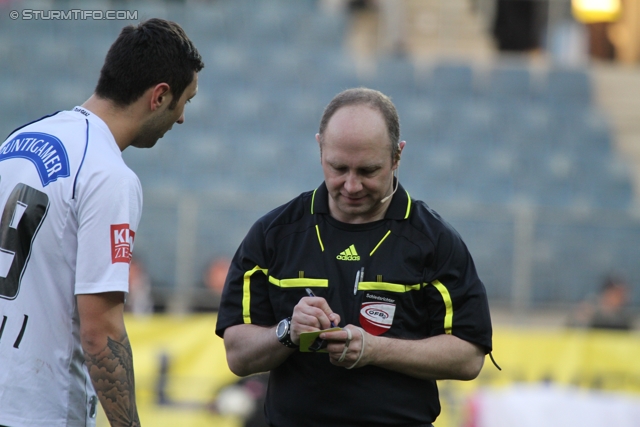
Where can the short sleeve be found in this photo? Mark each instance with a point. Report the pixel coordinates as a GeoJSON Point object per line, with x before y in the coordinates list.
{"type": "Point", "coordinates": [245, 298]}
{"type": "Point", "coordinates": [108, 212]}
{"type": "Point", "coordinates": [457, 297]}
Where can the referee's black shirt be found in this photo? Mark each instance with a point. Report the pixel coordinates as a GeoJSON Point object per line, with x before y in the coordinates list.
{"type": "Point", "coordinates": [419, 281]}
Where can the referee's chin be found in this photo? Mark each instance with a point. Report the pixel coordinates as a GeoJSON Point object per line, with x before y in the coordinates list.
{"type": "Point", "coordinates": [361, 212]}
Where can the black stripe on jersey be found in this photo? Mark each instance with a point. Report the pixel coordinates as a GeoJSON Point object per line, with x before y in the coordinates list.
{"type": "Point", "coordinates": [21, 334]}
{"type": "Point", "coordinates": [4, 321]}
{"type": "Point", "coordinates": [30, 123]}
{"type": "Point", "coordinates": [86, 144]}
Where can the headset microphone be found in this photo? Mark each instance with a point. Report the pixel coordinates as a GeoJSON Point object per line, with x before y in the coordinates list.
{"type": "Point", "coordinates": [384, 199]}
{"type": "Point", "coordinates": [396, 172]}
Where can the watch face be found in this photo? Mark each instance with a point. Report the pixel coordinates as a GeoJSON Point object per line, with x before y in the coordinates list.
{"type": "Point", "coordinates": [281, 330]}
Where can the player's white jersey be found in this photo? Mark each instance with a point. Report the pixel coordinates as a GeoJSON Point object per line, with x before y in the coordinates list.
{"type": "Point", "coordinates": [70, 207]}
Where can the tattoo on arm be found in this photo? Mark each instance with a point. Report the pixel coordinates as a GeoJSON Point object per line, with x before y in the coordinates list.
{"type": "Point", "coordinates": [111, 371]}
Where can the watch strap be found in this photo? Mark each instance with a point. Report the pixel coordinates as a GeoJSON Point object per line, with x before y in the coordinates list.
{"type": "Point", "coordinates": [285, 340]}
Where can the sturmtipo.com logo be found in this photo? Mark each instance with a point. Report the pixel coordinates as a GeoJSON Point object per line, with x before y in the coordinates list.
{"type": "Point", "coordinates": [74, 15]}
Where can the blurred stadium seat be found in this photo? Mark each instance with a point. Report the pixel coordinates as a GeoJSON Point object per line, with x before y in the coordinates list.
{"type": "Point", "coordinates": [451, 82]}
{"type": "Point", "coordinates": [567, 88]}
{"type": "Point", "coordinates": [490, 141]}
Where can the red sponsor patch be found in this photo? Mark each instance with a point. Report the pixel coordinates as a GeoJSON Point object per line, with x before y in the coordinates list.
{"type": "Point", "coordinates": [121, 243]}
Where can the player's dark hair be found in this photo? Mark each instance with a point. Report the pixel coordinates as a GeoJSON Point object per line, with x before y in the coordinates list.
{"type": "Point", "coordinates": [372, 98]}
{"type": "Point", "coordinates": [156, 51]}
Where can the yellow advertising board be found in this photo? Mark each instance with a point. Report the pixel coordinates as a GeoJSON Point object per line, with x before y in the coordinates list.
{"type": "Point", "coordinates": [180, 366]}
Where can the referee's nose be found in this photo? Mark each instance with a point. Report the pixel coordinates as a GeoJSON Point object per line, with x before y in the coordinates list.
{"type": "Point", "coordinates": [352, 183]}
{"type": "Point", "coordinates": [181, 119]}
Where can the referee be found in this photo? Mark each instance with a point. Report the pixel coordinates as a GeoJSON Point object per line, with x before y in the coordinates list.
{"type": "Point", "coordinates": [359, 253]}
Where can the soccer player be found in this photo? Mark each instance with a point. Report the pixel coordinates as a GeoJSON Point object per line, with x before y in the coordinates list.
{"type": "Point", "coordinates": [70, 210]}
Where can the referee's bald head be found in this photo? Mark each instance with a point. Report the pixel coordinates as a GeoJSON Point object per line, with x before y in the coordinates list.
{"type": "Point", "coordinates": [372, 98]}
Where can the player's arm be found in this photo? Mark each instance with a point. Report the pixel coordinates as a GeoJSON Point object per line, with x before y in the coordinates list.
{"type": "Point", "coordinates": [435, 358]}
{"type": "Point", "coordinates": [108, 355]}
{"type": "Point", "coordinates": [252, 348]}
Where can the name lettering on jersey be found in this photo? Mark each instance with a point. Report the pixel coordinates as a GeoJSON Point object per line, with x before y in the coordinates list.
{"type": "Point", "coordinates": [82, 111]}
{"type": "Point", "coordinates": [349, 254]}
{"type": "Point", "coordinates": [379, 298]}
{"type": "Point", "coordinates": [121, 243]}
{"type": "Point", "coordinates": [45, 151]}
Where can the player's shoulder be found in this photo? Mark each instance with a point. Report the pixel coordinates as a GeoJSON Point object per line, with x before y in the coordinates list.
{"type": "Point", "coordinates": [63, 131]}
{"type": "Point", "coordinates": [102, 151]}
{"type": "Point", "coordinates": [61, 126]}
{"type": "Point", "coordinates": [101, 158]}
{"type": "Point", "coordinates": [53, 117]}
{"type": "Point", "coordinates": [102, 162]}
{"type": "Point", "coordinates": [54, 144]}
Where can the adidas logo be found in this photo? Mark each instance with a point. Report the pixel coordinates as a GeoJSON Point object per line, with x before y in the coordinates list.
{"type": "Point", "coordinates": [349, 254]}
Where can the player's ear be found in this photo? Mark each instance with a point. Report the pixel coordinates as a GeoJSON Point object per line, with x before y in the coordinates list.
{"type": "Point", "coordinates": [160, 95]}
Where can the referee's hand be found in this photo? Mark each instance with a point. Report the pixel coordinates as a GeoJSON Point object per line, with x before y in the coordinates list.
{"type": "Point", "coordinates": [348, 346]}
{"type": "Point", "coordinates": [311, 314]}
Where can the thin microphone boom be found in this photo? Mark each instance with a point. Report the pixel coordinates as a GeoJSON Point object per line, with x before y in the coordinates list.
{"type": "Point", "coordinates": [395, 189]}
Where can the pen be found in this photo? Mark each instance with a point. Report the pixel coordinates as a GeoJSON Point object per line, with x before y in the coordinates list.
{"type": "Point", "coordinates": [312, 295]}
{"type": "Point", "coordinates": [359, 278]}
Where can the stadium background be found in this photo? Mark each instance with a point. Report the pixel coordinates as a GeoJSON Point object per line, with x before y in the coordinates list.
{"type": "Point", "coordinates": [534, 157]}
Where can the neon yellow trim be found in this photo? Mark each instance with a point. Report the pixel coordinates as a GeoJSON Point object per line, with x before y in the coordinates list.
{"type": "Point", "coordinates": [408, 205]}
{"type": "Point", "coordinates": [448, 305]}
{"type": "Point", "coordinates": [319, 239]}
{"type": "Point", "coordinates": [380, 242]}
{"type": "Point", "coordinates": [386, 286]}
{"type": "Point", "coordinates": [313, 198]}
{"type": "Point", "coordinates": [300, 283]}
{"type": "Point", "coordinates": [246, 292]}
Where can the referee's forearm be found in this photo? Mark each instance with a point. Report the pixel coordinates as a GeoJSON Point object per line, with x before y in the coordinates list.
{"type": "Point", "coordinates": [442, 357]}
{"type": "Point", "coordinates": [252, 349]}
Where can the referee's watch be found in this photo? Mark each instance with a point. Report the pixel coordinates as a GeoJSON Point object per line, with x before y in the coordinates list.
{"type": "Point", "coordinates": [283, 332]}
